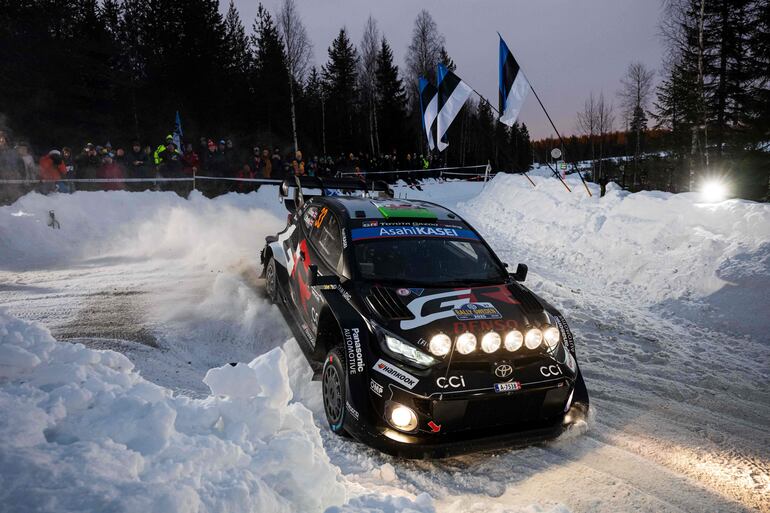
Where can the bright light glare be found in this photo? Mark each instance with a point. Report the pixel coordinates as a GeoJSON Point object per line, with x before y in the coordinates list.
{"type": "Point", "coordinates": [466, 343]}
{"type": "Point", "coordinates": [713, 190]}
{"type": "Point", "coordinates": [513, 340]}
{"type": "Point", "coordinates": [533, 338]}
{"type": "Point", "coordinates": [490, 342]}
{"type": "Point", "coordinates": [403, 418]}
{"type": "Point", "coordinates": [440, 344]}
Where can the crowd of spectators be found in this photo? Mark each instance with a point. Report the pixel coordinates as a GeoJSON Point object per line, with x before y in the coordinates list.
{"type": "Point", "coordinates": [139, 166]}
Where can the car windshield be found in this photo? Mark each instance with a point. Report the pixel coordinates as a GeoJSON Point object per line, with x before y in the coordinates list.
{"type": "Point", "coordinates": [427, 261]}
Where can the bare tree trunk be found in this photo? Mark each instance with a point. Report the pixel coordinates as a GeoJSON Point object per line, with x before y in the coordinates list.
{"type": "Point", "coordinates": [323, 125]}
{"type": "Point", "coordinates": [293, 114]}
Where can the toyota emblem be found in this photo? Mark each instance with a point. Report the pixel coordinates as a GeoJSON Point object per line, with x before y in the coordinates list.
{"type": "Point", "coordinates": [503, 370]}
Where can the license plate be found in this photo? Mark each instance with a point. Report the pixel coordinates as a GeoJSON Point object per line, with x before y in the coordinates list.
{"type": "Point", "coordinates": [507, 387]}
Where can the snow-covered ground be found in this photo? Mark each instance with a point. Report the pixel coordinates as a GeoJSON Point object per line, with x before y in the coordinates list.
{"type": "Point", "coordinates": [669, 299]}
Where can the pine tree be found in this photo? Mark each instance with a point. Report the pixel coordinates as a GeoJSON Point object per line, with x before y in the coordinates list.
{"type": "Point", "coordinates": [271, 77]}
{"type": "Point", "coordinates": [391, 100]}
{"type": "Point", "coordinates": [340, 76]}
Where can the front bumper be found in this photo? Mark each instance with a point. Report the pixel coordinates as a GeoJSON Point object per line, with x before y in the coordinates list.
{"type": "Point", "coordinates": [442, 445]}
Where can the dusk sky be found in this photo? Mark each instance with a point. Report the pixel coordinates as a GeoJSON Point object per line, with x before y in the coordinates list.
{"type": "Point", "coordinates": [567, 48]}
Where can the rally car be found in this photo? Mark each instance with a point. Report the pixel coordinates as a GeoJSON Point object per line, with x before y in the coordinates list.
{"type": "Point", "coordinates": [425, 344]}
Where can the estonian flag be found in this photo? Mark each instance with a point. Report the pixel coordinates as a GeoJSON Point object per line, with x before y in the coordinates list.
{"type": "Point", "coordinates": [452, 95]}
{"type": "Point", "coordinates": [178, 133]}
{"type": "Point", "coordinates": [428, 108]}
{"type": "Point", "coordinates": [513, 86]}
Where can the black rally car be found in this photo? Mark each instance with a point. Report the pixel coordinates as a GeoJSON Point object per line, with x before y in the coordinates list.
{"type": "Point", "coordinates": [424, 343]}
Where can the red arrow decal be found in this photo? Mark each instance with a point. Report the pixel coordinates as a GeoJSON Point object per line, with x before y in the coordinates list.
{"type": "Point", "coordinates": [434, 427]}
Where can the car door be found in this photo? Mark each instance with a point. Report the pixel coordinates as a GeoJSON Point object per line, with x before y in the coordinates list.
{"type": "Point", "coordinates": [325, 251]}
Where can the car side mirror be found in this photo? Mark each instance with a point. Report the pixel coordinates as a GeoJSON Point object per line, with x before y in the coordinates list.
{"type": "Point", "coordinates": [322, 281]}
{"type": "Point", "coordinates": [290, 205]}
{"type": "Point", "coordinates": [521, 272]}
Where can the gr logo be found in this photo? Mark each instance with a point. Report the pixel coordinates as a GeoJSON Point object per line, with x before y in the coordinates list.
{"type": "Point", "coordinates": [450, 382]}
{"type": "Point", "coordinates": [550, 370]}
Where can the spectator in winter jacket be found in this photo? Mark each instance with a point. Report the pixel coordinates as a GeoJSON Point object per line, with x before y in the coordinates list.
{"type": "Point", "coordinates": [156, 156]}
{"type": "Point", "coordinates": [111, 170]}
{"type": "Point", "coordinates": [52, 169]}
{"type": "Point", "coordinates": [136, 167]}
{"type": "Point", "coordinates": [245, 172]}
{"type": "Point", "coordinates": [28, 160]}
{"type": "Point", "coordinates": [11, 168]}
{"type": "Point", "coordinates": [190, 161]}
{"type": "Point", "coordinates": [86, 167]}
{"type": "Point", "coordinates": [267, 169]}
{"type": "Point", "coordinates": [277, 166]}
{"type": "Point", "coordinates": [170, 161]}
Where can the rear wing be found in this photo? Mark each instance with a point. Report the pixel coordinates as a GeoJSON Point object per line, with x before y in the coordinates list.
{"type": "Point", "coordinates": [306, 187]}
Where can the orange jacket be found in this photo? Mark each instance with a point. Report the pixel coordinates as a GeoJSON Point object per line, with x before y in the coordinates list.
{"type": "Point", "coordinates": [51, 171]}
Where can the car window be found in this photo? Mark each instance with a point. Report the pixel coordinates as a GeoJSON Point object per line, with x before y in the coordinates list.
{"type": "Point", "coordinates": [325, 235]}
{"type": "Point", "coordinates": [310, 217]}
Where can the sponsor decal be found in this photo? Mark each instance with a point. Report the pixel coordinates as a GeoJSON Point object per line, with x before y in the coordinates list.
{"type": "Point", "coordinates": [511, 386]}
{"type": "Point", "coordinates": [411, 231]}
{"type": "Point", "coordinates": [417, 292]}
{"type": "Point", "coordinates": [344, 239]}
{"type": "Point", "coordinates": [403, 292]}
{"type": "Point", "coordinates": [499, 325]}
{"type": "Point", "coordinates": [307, 331]}
{"type": "Point", "coordinates": [344, 293]}
{"type": "Point", "coordinates": [571, 363]}
{"type": "Point", "coordinates": [435, 428]}
{"type": "Point", "coordinates": [395, 373]}
{"type": "Point", "coordinates": [375, 387]}
{"type": "Point", "coordinates": [416, 307]}
{"type": "Point", "coordinates": [444, 382]}
{"type": "Point", "coordinates": [313, 316]}
{"type": "Point", "coordinates": [550, 370]}
{"type": "Point", "coordinates": [320, 219]}
{"type": "Point", "coordinates": [422, 342]}
{"type": "Point", "coordinates": [351, 410]}
{"type": "Point", "coordinates": [503, 370]}
{"type": "Point", "coordinates": [353, 345]}
{"type": "Point", "coordinates": [369, 224]}
{"type": "Point", "coordinates": [477, 312]}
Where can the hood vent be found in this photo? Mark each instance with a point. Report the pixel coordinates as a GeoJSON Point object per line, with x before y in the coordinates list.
{"type": "Point", "coordinates": [529, 302]}
{"type": "Point", "coordinates": [387, 304]}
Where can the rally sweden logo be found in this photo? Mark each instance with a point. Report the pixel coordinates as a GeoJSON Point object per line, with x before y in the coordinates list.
{"type": "Point", "coordinates": [476, 312]}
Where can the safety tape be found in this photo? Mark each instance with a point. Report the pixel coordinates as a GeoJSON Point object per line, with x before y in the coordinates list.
{"type": "Point", "coordinates": [100, 180]}
{"type": "Point", "coordinates": [410, 170]}
{"type": "Point", "coordinates": [256, 180]}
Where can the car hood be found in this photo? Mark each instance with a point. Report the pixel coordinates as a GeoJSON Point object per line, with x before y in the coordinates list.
{"type": "Point", "coordinates": [417, 314]}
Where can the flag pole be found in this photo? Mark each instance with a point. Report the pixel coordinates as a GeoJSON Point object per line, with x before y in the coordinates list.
{"type": "Point", "coordinates": [523, 172]}
{"type": "Point", "coordinates": [555, 130]}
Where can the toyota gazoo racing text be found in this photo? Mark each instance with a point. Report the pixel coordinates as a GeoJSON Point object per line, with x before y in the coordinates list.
{"type": "Point", "coordinates": [424, 343]}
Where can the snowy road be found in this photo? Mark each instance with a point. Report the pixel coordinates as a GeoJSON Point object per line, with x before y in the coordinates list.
{"type": "Point", "coordinates": [680, 397]}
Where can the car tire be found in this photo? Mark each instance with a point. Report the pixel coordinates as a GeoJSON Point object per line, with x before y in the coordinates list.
{"type": "Point", "coordinates": [334, 387]}
{"type": "Point", "coordinates": [271, 280]}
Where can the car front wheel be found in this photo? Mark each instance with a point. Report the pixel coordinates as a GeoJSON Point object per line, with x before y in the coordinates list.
{"type": "Point", "coordinates": [334, 384]}
{"type": "Point", "coordinates": [271, 280]}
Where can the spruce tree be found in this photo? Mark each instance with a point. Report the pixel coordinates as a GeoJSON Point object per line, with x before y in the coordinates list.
{"type": "Point", "coordinates": [391, 101]}
{"type": "Point", "coordinates": [339, 74]}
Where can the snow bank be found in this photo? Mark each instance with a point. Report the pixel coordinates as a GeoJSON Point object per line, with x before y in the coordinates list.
{"type": "Point", "coordinates": [668, 247]}
{"type": "Point", "coordinates": [136, 224]}
{"type": "Point", "coordinates": [81, 431]}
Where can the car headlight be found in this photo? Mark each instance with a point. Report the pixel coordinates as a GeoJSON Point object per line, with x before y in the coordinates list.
{"type": "Point", "coordinates": [513, 340]}
{"type": "Point", "coordinates": [440, 344]}
{"type": "Point", "coordinates": [408, 352]}
{"type": "Point", "coordinates": [551, 336]}
{"type": "Point", "coordinates": [533, 339]}
{"type": "Point", "coordinates": [466, 343]}
{"type": "Point", "coordinates": [490, 342]}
